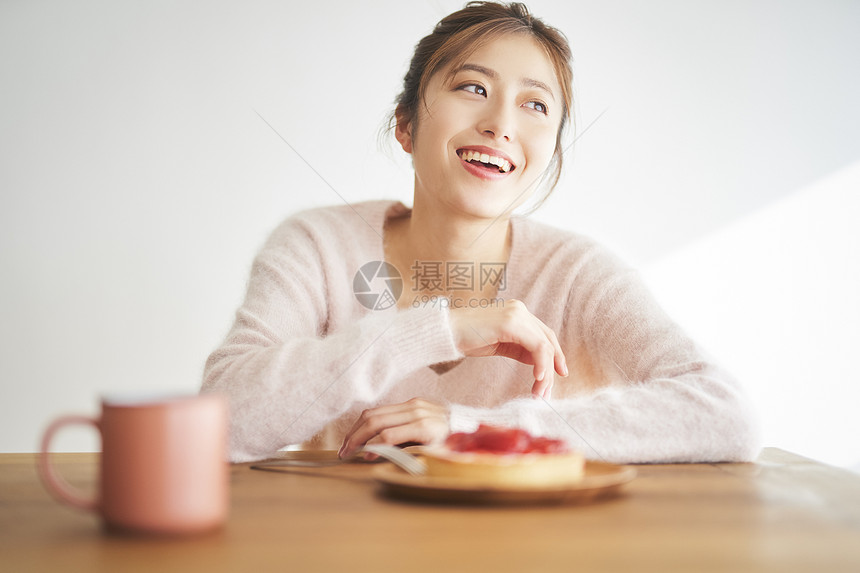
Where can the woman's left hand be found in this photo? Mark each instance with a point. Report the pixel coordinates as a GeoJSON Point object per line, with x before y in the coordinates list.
{"type": "Point", "coordinates": [414, 421]}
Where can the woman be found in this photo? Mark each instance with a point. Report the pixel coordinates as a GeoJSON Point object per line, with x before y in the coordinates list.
{"type": "Point", "coordinates": [503, 320]}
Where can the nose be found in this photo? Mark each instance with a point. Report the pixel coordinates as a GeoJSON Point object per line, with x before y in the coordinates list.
{"type": "Point", "coordinates": [497, 122]}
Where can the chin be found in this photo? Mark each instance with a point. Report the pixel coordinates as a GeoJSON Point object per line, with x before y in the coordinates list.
{"type": "Point", "coordinates": [488, 207]}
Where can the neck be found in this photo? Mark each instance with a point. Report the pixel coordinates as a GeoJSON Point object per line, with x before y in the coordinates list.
{"type": "Point", "coordinates": [434, 233]}
{"type": "Point", "coordinates": [423, 245]}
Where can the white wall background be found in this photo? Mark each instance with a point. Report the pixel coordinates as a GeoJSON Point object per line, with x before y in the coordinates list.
{"type": "Point", "coordinates": [138, 181]}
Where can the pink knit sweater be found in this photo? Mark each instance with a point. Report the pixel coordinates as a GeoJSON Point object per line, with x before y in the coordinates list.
{"type": "Point", "coordinates": [304, 357]}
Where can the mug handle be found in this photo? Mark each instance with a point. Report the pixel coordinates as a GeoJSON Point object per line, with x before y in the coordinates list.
{"type": "Point", "coordinates": [54, 482]}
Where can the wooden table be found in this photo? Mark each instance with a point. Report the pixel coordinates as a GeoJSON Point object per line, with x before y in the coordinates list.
{"type": "Point", "coordinates": [783, 513]}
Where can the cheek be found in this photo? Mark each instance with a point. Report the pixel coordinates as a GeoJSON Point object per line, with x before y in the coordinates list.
{"type": "Point", "coordinates": [541, 146]}
{"type": "Point", "coordinates": [435, 129]}
{"type": "Point", "coordinates": [442, 119]}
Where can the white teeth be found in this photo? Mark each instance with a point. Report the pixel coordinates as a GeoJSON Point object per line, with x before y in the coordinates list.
{"type": "Point", "coordinates": [503, 164]}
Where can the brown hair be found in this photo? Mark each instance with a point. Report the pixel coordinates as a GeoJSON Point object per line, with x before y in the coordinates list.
{"type": "Point", "coordinates": [460, 33]}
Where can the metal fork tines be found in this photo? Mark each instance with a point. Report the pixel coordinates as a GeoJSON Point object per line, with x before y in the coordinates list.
{"type": "Point", "coordinates": [404, 460]}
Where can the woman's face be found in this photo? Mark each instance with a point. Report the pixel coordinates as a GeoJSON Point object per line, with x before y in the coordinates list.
{"type": "Point", "coordinates": [488, 131]}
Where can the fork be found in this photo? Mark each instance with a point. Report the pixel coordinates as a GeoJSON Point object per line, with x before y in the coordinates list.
{"type": "Point", "coordinates": [404, 460]}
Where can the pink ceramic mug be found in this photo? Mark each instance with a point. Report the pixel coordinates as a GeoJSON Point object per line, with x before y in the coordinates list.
{"type": "Point", "coordinates": [163, 464]}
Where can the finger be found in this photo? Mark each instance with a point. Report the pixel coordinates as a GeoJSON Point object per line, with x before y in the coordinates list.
{"type": "Point", "coordinates": [544, 356]}
{"type": "Point", "coordinates": [540, 387]}
{"type": "Point", "coordinates": [558, 364]}
{"type": "Point", "coordinates": [371, 413]}
{"type": "Point", "coordinates": [427, 430]}
{"type": "Point", "coordinates": [520, 354]}
{"type": "Point", "coordinates": [561, 365]}
{"type": "Point", "coordinates": [545, 389]}
{"type": "Point", "coordinates": [530, 343]}
{"type": "Point", "coordinates": [371, 424]}
{"type": "Point", "coordinates": [514, 351]}
{"type": "Point", "coordinates": [375, 420]}
{"type": "Point", "coordinates": [540, 341]}
{"type": "Point", "coordinates": [560, 361]}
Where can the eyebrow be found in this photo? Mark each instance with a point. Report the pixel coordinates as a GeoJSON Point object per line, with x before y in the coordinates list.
{"type": "Point", "coordinates": [493, 74]}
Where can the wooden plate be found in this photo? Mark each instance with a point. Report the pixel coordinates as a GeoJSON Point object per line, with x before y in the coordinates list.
{"type": "Point", "coordinates": [601, 481]}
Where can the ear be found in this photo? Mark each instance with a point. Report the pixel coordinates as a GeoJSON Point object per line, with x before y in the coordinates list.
{"type": "Point", "coordinates": [403, 129]}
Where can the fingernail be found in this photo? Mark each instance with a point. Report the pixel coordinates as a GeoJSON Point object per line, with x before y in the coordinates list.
{"type": "Point", "coordinates": [540, 376]}
{"type": "Point", "coordinates": [564, 367]}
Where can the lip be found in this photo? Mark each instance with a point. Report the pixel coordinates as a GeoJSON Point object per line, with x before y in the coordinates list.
{"type": "Point", "coordinates": [480, 171]}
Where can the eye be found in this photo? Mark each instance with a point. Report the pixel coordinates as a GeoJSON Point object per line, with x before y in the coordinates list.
{"type": "Point", "coordinates": [538, 106]}
{"type": "Point", "coordinates": [474, 88]}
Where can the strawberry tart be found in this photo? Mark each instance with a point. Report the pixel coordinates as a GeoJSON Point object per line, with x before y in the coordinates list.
{"type": "Point", "coordinates": [505, 457]}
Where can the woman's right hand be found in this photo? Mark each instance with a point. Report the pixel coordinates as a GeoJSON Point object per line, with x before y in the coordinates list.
{"type": "Point", "coordinates": [511, 331]}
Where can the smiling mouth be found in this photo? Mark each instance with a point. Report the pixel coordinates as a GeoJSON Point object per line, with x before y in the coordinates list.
{"type": "Point", "coordinates": [486, 161]}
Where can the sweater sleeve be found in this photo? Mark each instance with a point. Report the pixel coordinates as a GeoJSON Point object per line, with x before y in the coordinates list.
{"type": "Point", "coordinates": [667, 402]}
{"type": "Point", "coordinates": [286, 375]}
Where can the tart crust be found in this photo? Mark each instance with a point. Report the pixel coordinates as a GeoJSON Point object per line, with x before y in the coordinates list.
{"type": "Point", "coordinates": [505, 470]}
